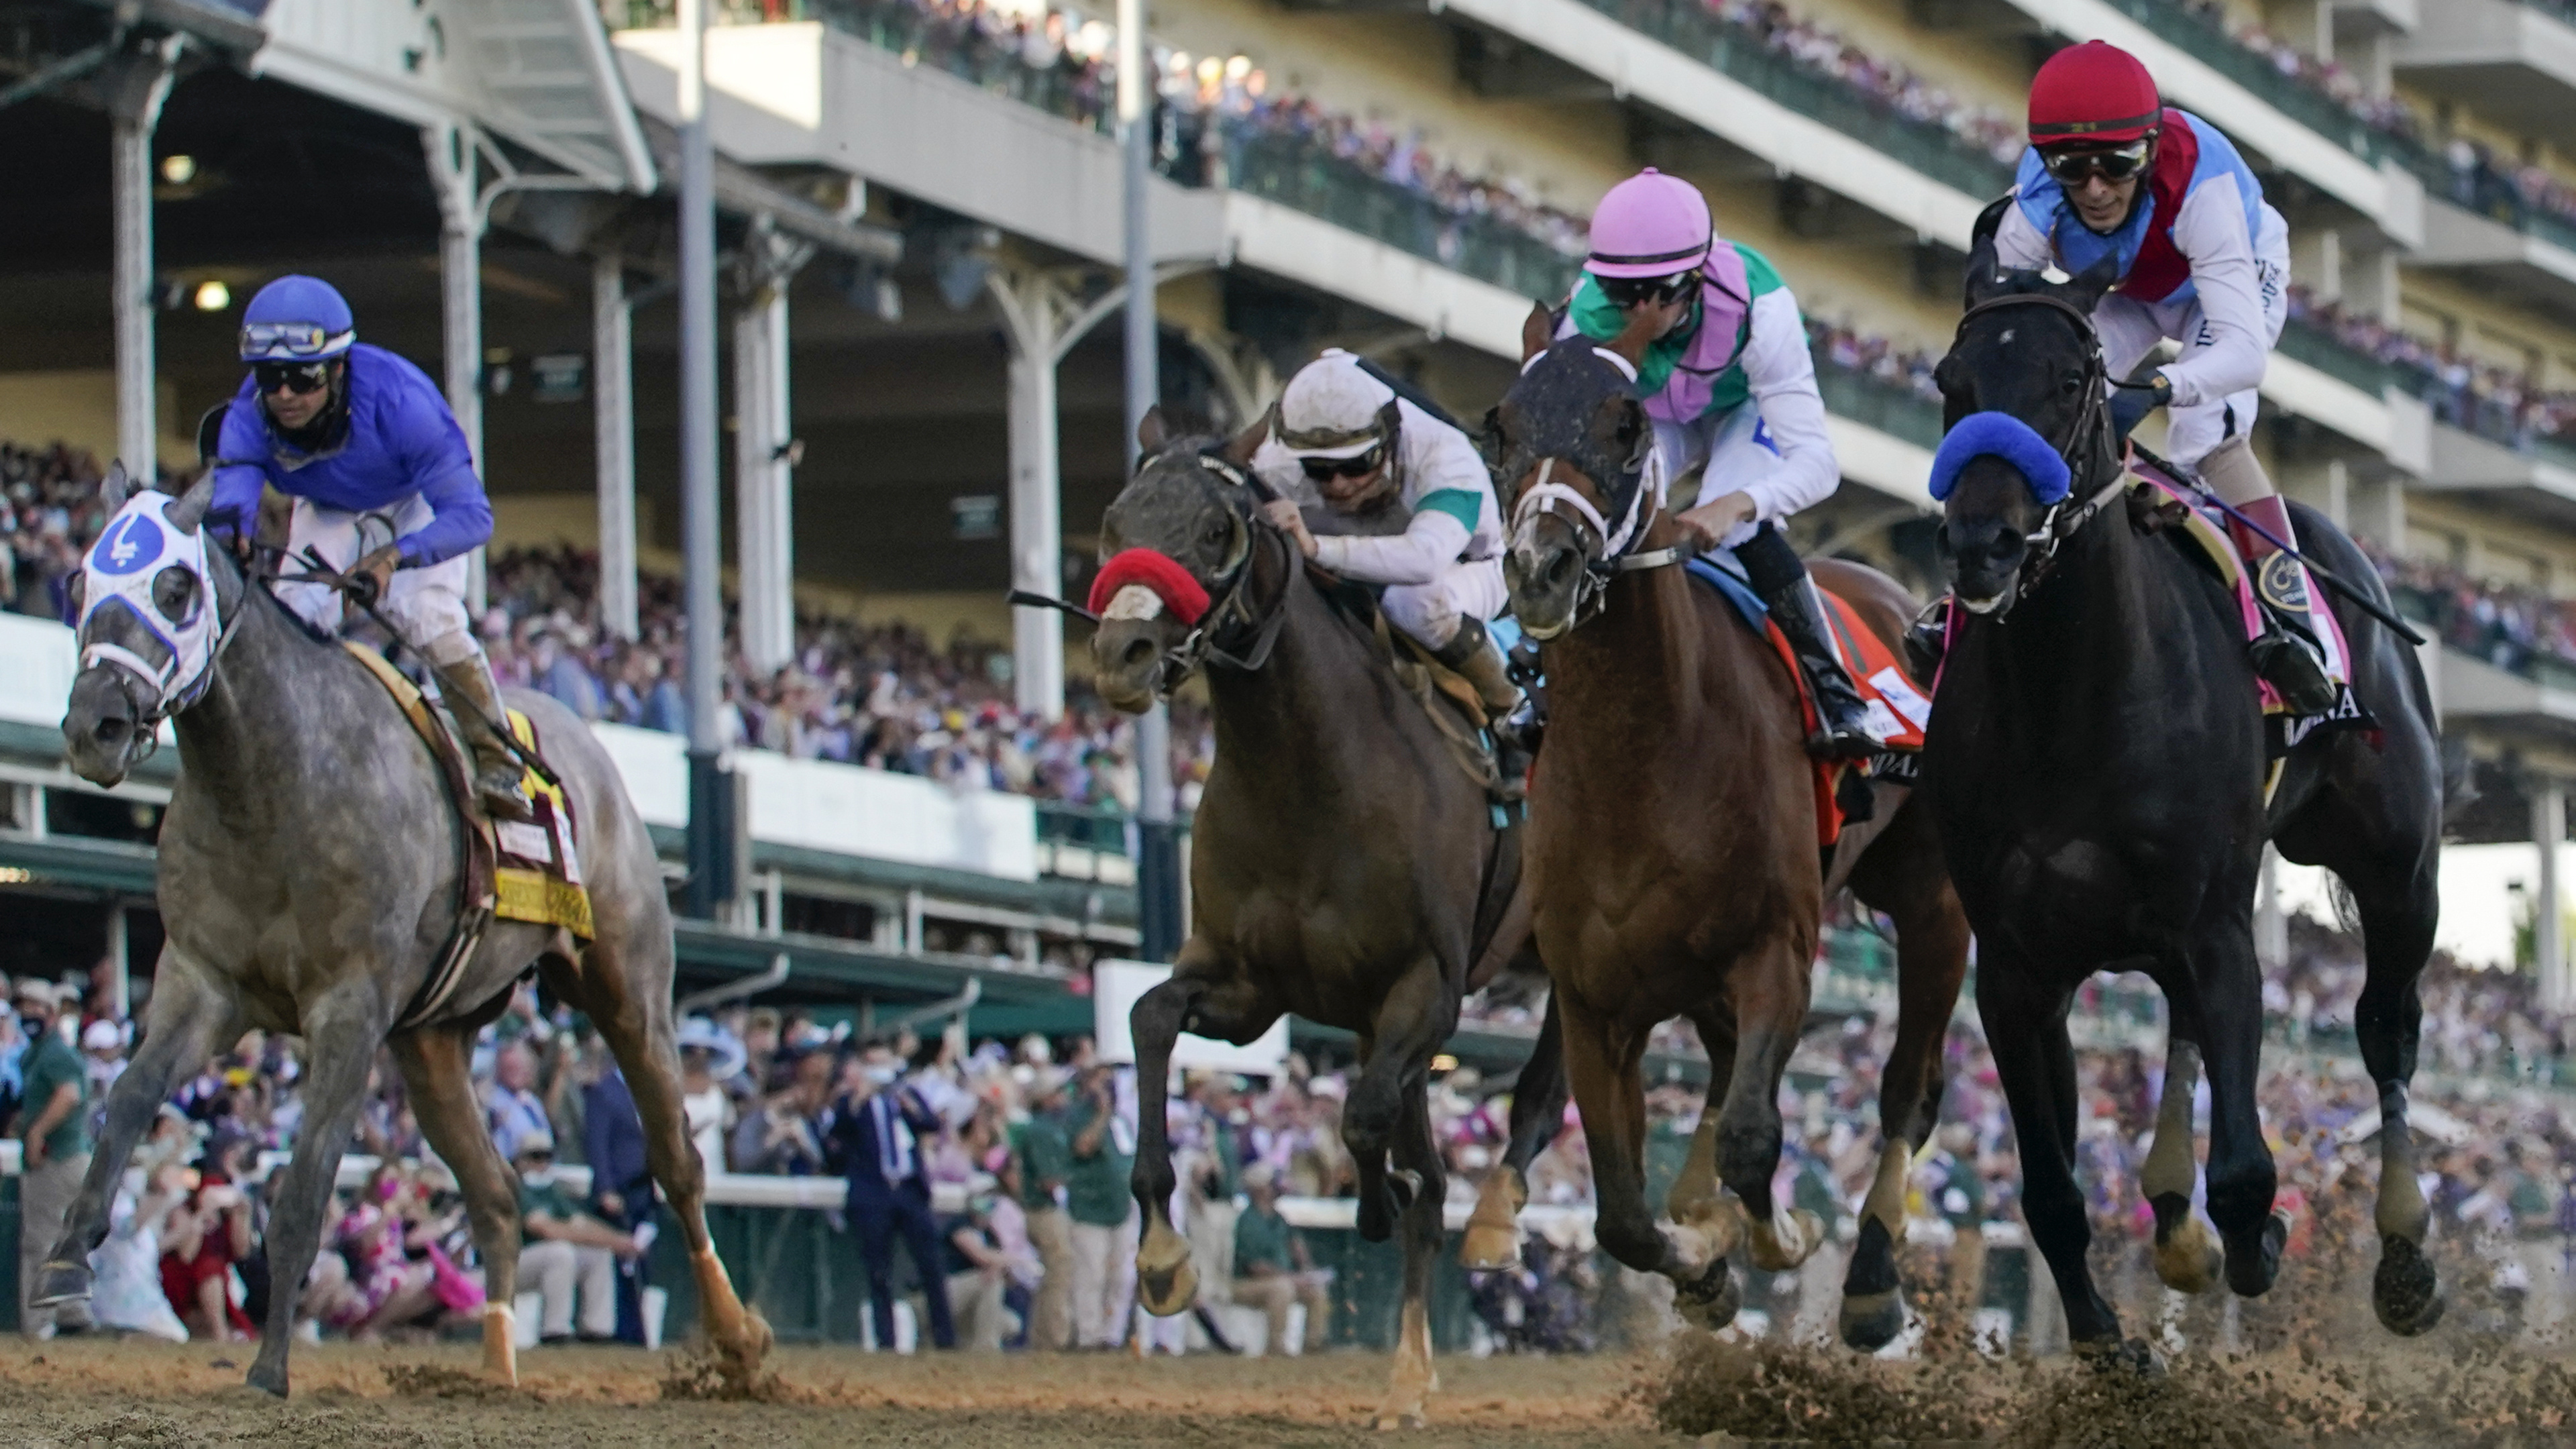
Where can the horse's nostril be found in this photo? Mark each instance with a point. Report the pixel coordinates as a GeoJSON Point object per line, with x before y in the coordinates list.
{"type": "Point", "coordinates": [1138, 653]}
{"type": "Point", "coordinates": [1559, 567]}
{"type": "Point", "coordinates": [111, 730]}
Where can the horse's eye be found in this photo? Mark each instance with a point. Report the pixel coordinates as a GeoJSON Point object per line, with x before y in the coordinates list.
{"type": "Point", "coordinates": [174, 593]}
{"type": "Point", "coordinates": [2073, 382]}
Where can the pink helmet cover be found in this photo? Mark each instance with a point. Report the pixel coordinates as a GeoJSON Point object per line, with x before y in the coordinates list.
{"type": "Point", "coordinates": [1650, 225]}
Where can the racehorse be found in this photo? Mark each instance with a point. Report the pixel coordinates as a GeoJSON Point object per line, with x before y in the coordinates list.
{"type": "Point", "coordinates": [1673, 861]}
{"type": "Point", "coordinates": [2097, 765]}
{"type": "Point", "coordinates": [309, 875]}
{"type": "Point", "coordinates": [1344, 866]}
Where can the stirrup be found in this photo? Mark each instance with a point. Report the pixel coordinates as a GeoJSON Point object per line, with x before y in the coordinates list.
{"type": "Point", "coordinates": [504, 803]}
{"type": "Point", "coordinates": [2293, 666]}
{"type": "Point", "coordinates": [1847, 741]}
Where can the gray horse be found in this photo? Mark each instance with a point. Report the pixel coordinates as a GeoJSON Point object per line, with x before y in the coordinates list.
{"type": "Point", "coordinates": [309, 868]}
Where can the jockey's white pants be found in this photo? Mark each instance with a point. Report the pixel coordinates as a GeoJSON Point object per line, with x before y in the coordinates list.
{"type": "Point", "coordinates": [2130, 329]}
{"type": "Point", "coordinates": [427, 605]}
{"type": "Point", "coordinates": [1431, 613]}
{"type": "Point", "coordinates": [1730, 450]}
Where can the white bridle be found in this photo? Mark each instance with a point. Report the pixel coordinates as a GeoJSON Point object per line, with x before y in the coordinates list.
{"type": "Point", "coordinates": [137, 545]}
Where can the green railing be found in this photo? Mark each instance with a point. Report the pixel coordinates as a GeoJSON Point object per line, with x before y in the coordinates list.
{"type": "Point", "coordinates": [2319, 348]}
{"type": "Point", "coordinates": [1892, 409]}
{"type": "Point", "coordinates": [2208, 42]}
{"type": "Point", "coordinates": [1928, 147]}
{"type": "Point", "coordinates": [1303, 174]}
{"type": "Point", "coordinates": [2486, 192]}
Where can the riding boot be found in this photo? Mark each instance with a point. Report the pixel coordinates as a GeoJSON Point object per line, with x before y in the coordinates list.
{"type": "Point", "coordinates": [2289, 654]}
{"type": "Point", "coordinates": [1474, 657]}
{"type": "Point", "coordinates": [1780, 577]}
{"type": "Point", "coordinates": [474, 698]}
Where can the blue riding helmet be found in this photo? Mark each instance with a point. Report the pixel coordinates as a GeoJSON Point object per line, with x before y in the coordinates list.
{"type": "Point", "coordinates": [297, 319]}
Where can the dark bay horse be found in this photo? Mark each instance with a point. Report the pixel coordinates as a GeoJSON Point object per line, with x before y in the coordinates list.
{"type": "Point", "coordinates": [2096, 765]}
{"type": "Point", "coordinates": [1672, 856]}
{"type": "Point", "coordinates": [309, 865]}
{"type": "Point", "coordinates": [1343, 865]}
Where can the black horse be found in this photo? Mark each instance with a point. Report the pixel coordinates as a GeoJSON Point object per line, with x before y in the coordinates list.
{"type": "Point", "coordinates": [2097, 769]}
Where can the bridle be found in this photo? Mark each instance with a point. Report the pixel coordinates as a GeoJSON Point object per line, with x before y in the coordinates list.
{"type": "Point", "coordinates": [1232, 614]}
{"type": "Point", "coordinates": [1605, 546]}
{"type": "Point", "coordinates": [2086, 448]}
{"type": "Point", "coordinates": [170, 690]}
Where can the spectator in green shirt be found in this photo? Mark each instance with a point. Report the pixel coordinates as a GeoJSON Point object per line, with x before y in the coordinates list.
{"type": "Point", "coordinates": [53, 1135]}
{"type": "Point", "coordinates": [1272, 1271]}
{"type": "Point", "coordinates": [1102, 1206]}
{"type": "Point", "coordinates": [1045, 1151]}
{"type": "Point", "coordinates": [562, 1248]}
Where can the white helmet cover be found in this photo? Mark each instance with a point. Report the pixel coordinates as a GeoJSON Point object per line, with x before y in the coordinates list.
{"type": "Point", "coordinates": [1331, 408]}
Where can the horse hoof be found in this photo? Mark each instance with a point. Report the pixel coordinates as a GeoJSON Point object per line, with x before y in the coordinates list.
{"type": "Point", "coordinates": [2132, 1356]}
{"type": "Point", "coordinates": [2187, 1259]}
{"type": "Point", "coordinates": [1786, 1241]}
{"type": "Point", "coordinates": [59, 1282]}
{"type": "Point", "coordinates": [2253, 1262]}
{"type": "Point", "coordinates": [2405, 1292]}
{"type": "Point", "coordinates": [1872, 1321]}
{"type": "Point", "coordinates": [1487, 1247]}
{"type": "Point", "coordinates": [1390, 1420]}
{"type": "Point", "coordinates": [271, 1381]}
{"type": "Point", "coordinates": [1169, 1290]}
{"type": "Point", "coordinates": [1711, 1302]}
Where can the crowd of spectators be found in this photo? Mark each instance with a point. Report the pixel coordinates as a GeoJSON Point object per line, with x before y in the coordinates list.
{"type": "Point", "coordinates": [2493, 402]}
{"type": "Point", "coordinates": [1886, 84]}
{"type": "Point", "coordinates": [1013, 1155]}
{"type": "Point", "coordinates": [2511, 626]}
{"type": "Point", "coordinates": [49, 511]}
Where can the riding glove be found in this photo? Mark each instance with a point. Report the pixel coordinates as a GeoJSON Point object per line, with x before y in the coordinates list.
{"type": "Point", "coordinates": [2130, 405]}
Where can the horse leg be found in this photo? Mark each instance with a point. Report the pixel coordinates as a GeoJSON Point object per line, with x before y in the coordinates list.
{"type": "Point", "coordinates": [1902, 875]}
{"type": "Point", "coordinates": [1418, 1013]}
{"type": "Point", "coordinates": [2397, 937]}
{"type": "Point", "coordinates": [1493, 1235]}
{"type": "Point", "coordinates": [2025, 1022]}
{"type": "Point", "coordinates": [437, 1071]}
{"type": "Point", "coordinates": [184, 1023]}
{"type": "Point", "coordinates": [1603, 1073]}
{"type": "Point", "coordinates": [1770, 1008]}
{"type": "Point", "coordinates": [1414, 1378]}
{"type": "Point", "coordinates": [624, 983]}
{"type": "Point", "coordinates": [2186, 1259]}
{"type": "Point", "coordinates": [1199, 997]}
{"type": "Point", "coordinates": [2227, 984]}
{"type": "Point", "coordinates": [343, 1030]}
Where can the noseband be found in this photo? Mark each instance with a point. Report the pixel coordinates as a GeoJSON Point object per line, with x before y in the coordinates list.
{"type": "Point", "coordinates": [2084, 449]}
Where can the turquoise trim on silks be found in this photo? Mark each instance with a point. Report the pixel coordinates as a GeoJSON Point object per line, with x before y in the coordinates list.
{"type": "Point", "coordinates": [1458, 503]}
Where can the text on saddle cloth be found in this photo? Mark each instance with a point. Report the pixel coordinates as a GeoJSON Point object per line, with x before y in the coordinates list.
{"type": "Point", "coordinates": [1898, 712]}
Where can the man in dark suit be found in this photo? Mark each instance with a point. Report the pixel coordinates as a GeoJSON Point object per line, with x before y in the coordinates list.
{"type": "Point", "coordinates": [875, 1131]}
{"type": "Point", "coordinates": [621, 1184]}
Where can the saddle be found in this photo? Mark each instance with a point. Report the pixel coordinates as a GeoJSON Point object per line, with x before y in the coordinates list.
{"type": "Point", "coordinates": [1898, 711]}
{"type": "Point", "coordinates": [1447, 697]}
{"type": "Point", "coordinates": [514, 871]}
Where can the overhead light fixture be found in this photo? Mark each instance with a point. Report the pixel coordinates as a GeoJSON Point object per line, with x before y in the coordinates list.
{"type": "Point", "coordinates": [212, 295]}
{"type": "Point", "coordinates": [179, 170]}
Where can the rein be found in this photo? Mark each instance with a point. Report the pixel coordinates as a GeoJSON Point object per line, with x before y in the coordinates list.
{"type": "Point", "coordinates": [2067, 516]}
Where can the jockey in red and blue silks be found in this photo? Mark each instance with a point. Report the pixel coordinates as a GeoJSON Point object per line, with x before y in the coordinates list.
{"type": "Point", "coordinates": [384, 487]}
{"type": "Point", "coordinates": [2112, 172]}
{"type": "Point", "coordinates": [1730, 386]}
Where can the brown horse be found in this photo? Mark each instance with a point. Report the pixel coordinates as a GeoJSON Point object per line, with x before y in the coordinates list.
{"type": "Point", "coordinates": [1344, 867]}
{"type": "Point", "coordinates": [1672, 858]}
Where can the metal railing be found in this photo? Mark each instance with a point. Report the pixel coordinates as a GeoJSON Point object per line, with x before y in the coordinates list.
{"type": "Point", "coordinates": [1927, 146]}
{"type": "Point", "coordinates": [1890, 407]}
{"type": "Point", "coordinates": [2480, 189]}
{"type": "Point", "coordinates": [2207, 40]}
{"type": "Point", "coordinates": [2318, 347]}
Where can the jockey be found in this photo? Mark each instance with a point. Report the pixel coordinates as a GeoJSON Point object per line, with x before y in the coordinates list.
{"type": "Point", "coordinates": [1731, 390]}
{"type": "Point", "coordinates": [1342, 435]}
{"type": "Point", "coordinates": [384, 490]}
{"type": "Point", "coordinates": [2112, 172]}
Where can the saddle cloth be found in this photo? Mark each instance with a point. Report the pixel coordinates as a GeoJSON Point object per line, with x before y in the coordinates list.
{"type": "Point", "coordinates": [1898, 712]}
{"type": "Point", "coordinates": [518, 871]}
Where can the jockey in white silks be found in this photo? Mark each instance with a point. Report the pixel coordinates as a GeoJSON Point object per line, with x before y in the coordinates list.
{"type": "Point", "coordinates": [2112, 172]}
{"type": "Point", "coordinates": [1343, 438]}
{"type": "Point", "coordinates": [1730, 387]}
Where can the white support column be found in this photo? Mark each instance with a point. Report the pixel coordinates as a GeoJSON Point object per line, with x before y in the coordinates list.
{"type": "Point", "coordinates": [1043, 318]}
{"type": "Point", "coordinates": [764, 441]}
{"type": "Point", "coordinates": [134, 95]}
{"type": "Point", "coordinates": [2271, 925]}
{"type": "Point", "coordinates": [2339, 493]}
{"type": "Point", "coordinates": [120, 961]}
{"type": "Point", "coordinates": [453, 167]}
{"type": "Point", "coordinates": [2548, 928]}
{"type": "Point", "coordinates": [612, 382]}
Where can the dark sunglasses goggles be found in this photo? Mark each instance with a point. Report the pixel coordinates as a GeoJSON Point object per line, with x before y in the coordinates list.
{"type": "Point", "coordinates": [2117, 163]}
{"type": "Point", "coordinates": [1625, 292]}
{"type": "Point", "coordinates": [300, 378]}
{"type": "Point", "coordinates": [1359, 465]}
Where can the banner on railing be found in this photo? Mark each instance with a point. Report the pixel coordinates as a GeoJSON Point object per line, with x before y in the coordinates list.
{"type": "Point", "coordinates": [1115, 985]}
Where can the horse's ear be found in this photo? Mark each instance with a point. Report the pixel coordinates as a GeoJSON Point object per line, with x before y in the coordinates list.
{"type": "Point", "coordinates": [190, 510]}
{"type": "Point", "coordinates": [1985, 276]}
{"type": "Point", "coordinates": [1637, 432]}
{"type": "Point", "coordinates": [1538, 329]}
{"type": "Point", "coordinates": [2087, 286]}
{"type": "Point", "coordinates": [1248, 442]}
{"type": "Point", "coordinates": [115, 488]}
{"type": "Point", "coordinates": [1152, 432]}
{"type": "Point", "coordinates": [1489, 438]}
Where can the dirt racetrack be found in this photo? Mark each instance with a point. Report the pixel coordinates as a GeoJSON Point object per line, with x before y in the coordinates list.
{"type": "Point", "coordinates": [138, 1395]}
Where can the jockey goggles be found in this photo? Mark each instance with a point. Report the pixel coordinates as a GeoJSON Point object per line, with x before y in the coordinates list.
{"type": "Point", "coordinates": [1359, 465]}
{"type": "Point", "coordinates": [2114, 164]}
{"type": "Point", "coordinates": [295, 339]}
{"type": "Point", "coordinates": [1626, 292]}
{"type": "Point", "coordinates": [300, 378]}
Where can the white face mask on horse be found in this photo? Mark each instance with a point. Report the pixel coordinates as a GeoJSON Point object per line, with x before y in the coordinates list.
{"type": "Point", "coordinates": [128, 568]}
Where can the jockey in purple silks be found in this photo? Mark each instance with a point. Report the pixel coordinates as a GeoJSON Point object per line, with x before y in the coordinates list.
{"type": "Point", "coordinates": [384, 488]}
{"type": "Point", "coordinates": [1730, 387]}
